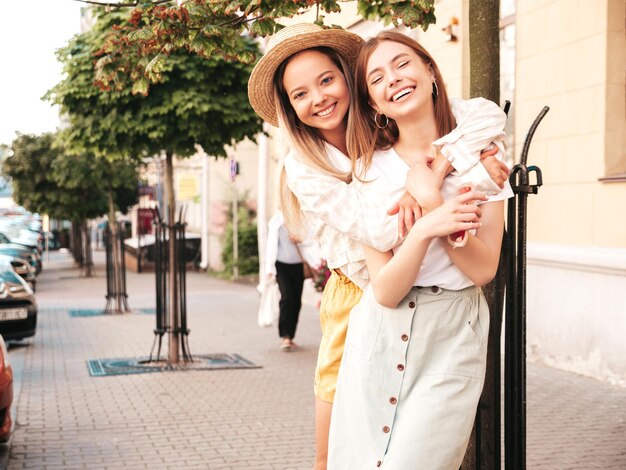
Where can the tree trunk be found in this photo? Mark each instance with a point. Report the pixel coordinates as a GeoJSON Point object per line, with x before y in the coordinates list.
{"type": "Point", "coordinates": [117, 275]}
{"type": "Point", "coordinates": [173, 284]}
{"type": "Point", "coordinates": [77, 242]}
{"type": "Point", "coordinates": [484, 41]}
{"type": "Point", "coordinates": [87, 249]}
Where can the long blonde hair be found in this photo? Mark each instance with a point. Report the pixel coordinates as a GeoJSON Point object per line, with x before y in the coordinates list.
{"type": "Point", "coordinates": [306, 141]}
{"type": "Point", "coordinates": [365, 136]}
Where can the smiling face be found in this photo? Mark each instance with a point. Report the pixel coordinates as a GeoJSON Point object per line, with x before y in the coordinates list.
{"type": "Point", "coordinates": [317, 91]}
{"type": "Point", "coordinates": [399, 83]}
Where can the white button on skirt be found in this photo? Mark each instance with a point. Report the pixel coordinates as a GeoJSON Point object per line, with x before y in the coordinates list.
{"type": "Point", "coordinates": [410, 381]}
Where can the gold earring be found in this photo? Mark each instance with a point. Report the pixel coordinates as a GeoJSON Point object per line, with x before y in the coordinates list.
{"type": "Point", "coordinates": [435, 90]}
{"type": "Point", "coordinates": [376, 121]}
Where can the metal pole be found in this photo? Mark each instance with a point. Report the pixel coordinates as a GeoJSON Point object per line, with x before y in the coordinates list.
{"type": "Point", "coordinates": [109, 267]}
{"type": "Point", "coordinates": [206, 213]}
{"type": "Point", "coordinates": [513, 424]}
{"type": "Point", "coordinates": [173, 282]}
{"type": "Point", "coordinates": [123, 292]}
{"type": "Point", "coordinates": [262, 181]}
{"type": "Point", "coordinates": [182, 282]}
{"type": "Point", "coordinates": [235, 234]}
{"type": "Point", "coordinates": [515, 328]}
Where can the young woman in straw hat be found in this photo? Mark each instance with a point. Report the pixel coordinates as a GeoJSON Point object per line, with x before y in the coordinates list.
{"type": "Point", "coordinates": [304, 85]}
{"type": "Point", "coordinates": [414, 362]}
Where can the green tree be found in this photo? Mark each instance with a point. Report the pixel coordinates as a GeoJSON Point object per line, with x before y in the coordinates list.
{"type": "Point", "coordinates": [74, 187]}
{"type": "Point", "coordinates": [104, 185]}
{"type": "Point", "coordinates": [248, 250]}
{"type": "Point", "coordinates": [196, 101]}
{"type": "Point", "coordinates": [30, 168]}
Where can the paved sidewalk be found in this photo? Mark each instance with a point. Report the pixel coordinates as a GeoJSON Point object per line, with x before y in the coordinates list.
{"type": "Point", "coordinates": [229, 419]}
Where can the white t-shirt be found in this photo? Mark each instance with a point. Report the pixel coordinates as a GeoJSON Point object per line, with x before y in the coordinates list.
{"type": "Point", "coordinates": [437, 268]}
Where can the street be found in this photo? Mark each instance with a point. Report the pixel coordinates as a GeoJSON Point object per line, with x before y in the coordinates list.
{"type": "Point", "coordinates": [226, 419]}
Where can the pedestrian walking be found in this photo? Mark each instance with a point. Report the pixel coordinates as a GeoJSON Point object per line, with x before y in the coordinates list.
{"type": "Point", "coordinates": [285, 264]}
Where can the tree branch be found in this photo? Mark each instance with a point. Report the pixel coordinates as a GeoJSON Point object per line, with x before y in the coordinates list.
{"type": "Point", "coordinates": [121, 4]}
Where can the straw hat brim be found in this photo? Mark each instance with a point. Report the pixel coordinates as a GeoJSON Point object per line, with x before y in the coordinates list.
{"type": "Point", "coordinates": [261, 82]}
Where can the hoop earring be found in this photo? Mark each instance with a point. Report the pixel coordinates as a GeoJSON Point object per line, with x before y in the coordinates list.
{"type": "Point", "coordinates": [435, 90]}
{"type": "Point", "coordinates": [376, 121]}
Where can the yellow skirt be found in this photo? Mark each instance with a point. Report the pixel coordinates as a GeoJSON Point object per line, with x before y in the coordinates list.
{"type": "Point", "coordinates": [340, 295]}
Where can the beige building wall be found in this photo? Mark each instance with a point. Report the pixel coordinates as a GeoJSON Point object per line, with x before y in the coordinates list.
{"type": "Point", "coordinates": [451, 57]}
{"type": "Point", "coordinates": [574, 63]}
{"type": "Point", "coordinates": [576, 67]}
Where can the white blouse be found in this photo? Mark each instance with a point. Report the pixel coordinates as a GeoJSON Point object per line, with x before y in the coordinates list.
{"type": "Point", "coordinates": [342, 216]}
{"type": "Point", "coordinates": [437, 269]}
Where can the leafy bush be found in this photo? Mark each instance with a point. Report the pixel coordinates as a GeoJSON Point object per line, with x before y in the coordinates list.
{"type": "Point", "coordinates": [248, 259]}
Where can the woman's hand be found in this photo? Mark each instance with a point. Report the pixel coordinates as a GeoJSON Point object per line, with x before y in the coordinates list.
{"type": "Point", "coordinates": [423, 184]}
{"type": "Point", "coordinates": [498, 171]}
{"type": "Point", "coordinates": [455, 215]}
{"type": "Point", "coordinates": [441, 168]}
{"type": "Point", "coordinates": [408, 211]}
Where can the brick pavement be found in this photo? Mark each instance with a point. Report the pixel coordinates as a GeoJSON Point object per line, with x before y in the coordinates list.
{"type": "Point", "coordinates": [231, 419]}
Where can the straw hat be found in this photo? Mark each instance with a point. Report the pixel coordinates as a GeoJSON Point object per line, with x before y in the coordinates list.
{"type": "Point", "coordinates": [283, 45]}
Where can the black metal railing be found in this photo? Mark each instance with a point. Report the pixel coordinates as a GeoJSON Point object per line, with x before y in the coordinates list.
{"type": "Point", "coordinates": [117, 297]}
{"type": "Point", "coordinates": [163, 270]}
{"type": "Point", "coordinates": [515, 304]}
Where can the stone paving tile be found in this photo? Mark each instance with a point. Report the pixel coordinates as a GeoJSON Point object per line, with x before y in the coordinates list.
{"type": "Point", "coordinates": [229, 419]}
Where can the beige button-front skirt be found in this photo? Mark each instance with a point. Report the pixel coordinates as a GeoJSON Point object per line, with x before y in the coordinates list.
{"type": "Point", "coordinates": [410, 381]}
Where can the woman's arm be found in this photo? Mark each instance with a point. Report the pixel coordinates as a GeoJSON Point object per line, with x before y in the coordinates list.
{"type": "Point", "coordinates": [392, 277]}
{"type": "Point", "coordinates": [362, 216]}
{"type": "Point", "coordinates": [478, 259]}
{"type": "Point", "coordinates": [480, 123]}
{"type": "Point", "coordinates": [271, 251]}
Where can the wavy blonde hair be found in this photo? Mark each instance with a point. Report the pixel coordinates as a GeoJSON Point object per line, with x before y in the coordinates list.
{"type": "Point", "coordinates": [365, 137]}
{"type": "Point", "coordinates": [306, 140]}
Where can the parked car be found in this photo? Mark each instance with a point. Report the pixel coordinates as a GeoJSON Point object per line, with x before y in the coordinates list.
{"type": "Point", "coordinates": [6, 392]}
{"type": "Point", "coordinates": [22, 237]}
{"type": "Point", "coordinates": [18, 307]}
{"type": "Point", "coordinates": [17, 251]}
{"type": "Point", "coordinates": [24, 270]}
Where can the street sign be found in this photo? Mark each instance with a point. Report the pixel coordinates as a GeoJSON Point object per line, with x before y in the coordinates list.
{"type": "Point", "coordinates": [233, 169]}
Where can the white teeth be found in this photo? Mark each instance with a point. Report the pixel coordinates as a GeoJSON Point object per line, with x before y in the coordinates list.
{"type": "Point", "coordinates": [401, 93]}
{"type": "Point", "coordinates": [326, 112]}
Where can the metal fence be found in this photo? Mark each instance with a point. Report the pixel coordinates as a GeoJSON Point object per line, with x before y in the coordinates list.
{"type": "Point", "coordinates": [117, 297]}
{"type": "Point", "coordinates": [166, 275]}
{"type": "Point", "coordinates": [515, 303]}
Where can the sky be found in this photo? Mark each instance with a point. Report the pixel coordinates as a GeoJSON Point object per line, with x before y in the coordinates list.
{"type": "Point", "coordinates": [30, 33]}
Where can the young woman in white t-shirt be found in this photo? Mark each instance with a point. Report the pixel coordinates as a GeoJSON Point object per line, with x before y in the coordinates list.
{"type": "Point", "coordinates": [415, 353]}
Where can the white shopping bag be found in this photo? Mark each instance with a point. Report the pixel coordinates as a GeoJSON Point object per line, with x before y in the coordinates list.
{"type": "Point", "coordinates": [268, 306]}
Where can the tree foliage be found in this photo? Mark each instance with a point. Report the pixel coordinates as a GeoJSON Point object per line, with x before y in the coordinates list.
{"type": "Point", "coordinates": [30, 170]}
{"type": "Point", "coordinates": [139, 49]}
{"type": "Point", "coordinates": [73, 187]}
{"type": "Point", "coordinates": [196, 100]}
{"type": "Point", "coordinates": [247, 243]}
